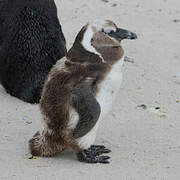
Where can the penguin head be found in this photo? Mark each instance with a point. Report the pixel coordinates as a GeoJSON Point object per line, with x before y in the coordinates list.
{"type": "Point", "coordinates": [103, 38]}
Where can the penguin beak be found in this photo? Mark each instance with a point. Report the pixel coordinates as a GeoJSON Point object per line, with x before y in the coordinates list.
{"type": "Point", "coordinates": [121, 34]}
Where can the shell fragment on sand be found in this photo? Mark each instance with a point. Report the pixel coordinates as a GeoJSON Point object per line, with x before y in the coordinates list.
{"type": "Point", "coordinates": [160, 112]}
{"type": "Point", "coordinates": [127, 59]}
{"type": "Point", "coordinates": [32, 158]}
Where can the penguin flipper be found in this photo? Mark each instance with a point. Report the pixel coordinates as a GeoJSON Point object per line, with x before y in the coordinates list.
{"type": "Point", "coordinates": [85, 103]}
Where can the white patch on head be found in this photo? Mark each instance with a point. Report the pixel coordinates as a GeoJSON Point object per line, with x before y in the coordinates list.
{"type": "Point", "coordinates": [86, 42]}
{"type": "Point", "coordinates": [100, 24]}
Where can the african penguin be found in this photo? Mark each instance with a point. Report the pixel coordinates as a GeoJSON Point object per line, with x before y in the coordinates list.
{"type": "Point", "coordinates": [79, 92]}
{"type": "Point", "coordinates": [31, 42]}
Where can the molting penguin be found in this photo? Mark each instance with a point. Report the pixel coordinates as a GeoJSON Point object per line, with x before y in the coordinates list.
{"type": "Point", "coordinates": [77, 88]}
{"type": "Point", "coordinates": [31, 42]}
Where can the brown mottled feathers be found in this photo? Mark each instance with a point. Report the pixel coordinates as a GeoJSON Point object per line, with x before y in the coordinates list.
{"type": "Point", "coordinates": [55, 106]}
{"type": "Point", "coordinates": [55, 101]}
{"type": "Point", "coordinates": [73, 84]}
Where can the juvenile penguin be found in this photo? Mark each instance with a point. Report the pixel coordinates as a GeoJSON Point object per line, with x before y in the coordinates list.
{"type": "Point", "coordinates": [31, 42]}
{"type": "Point", "coordinates": [79, 92]}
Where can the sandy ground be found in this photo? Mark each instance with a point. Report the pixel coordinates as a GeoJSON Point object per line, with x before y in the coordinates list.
{"type": "Point", "coordinates": [145, 143]}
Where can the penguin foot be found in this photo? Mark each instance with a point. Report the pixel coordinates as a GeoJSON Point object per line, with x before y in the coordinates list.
{"type": "Point", "coordinates": [92, 155]}
{"type": "Point", "coordinates": [97, 150]}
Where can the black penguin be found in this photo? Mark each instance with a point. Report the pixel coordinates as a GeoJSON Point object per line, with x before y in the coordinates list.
{"type": "Point", "coordinates": [31, 41]}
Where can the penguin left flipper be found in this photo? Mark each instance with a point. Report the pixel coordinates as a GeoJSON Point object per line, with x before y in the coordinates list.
{"type": "Point", "coordinates": [85, 103]}
{"type": "Point", "coordinates": [92, 155]}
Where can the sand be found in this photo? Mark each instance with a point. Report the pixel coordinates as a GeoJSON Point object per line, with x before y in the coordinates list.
{"type": "Point", "coordinates": [145, 143]}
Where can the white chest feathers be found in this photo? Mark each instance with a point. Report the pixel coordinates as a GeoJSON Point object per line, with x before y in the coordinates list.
{"type": "Point", "coordinates": [109, 88]}
{"type": "Point", "coordinates": [108, 91]}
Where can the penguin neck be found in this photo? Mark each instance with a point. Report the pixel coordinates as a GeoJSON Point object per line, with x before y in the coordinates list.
{"type": "Point", "coordinates": [79, 54]}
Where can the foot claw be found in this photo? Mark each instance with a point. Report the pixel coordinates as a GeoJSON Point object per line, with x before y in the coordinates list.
{"type": "Point", "coordinates": [103, 159]}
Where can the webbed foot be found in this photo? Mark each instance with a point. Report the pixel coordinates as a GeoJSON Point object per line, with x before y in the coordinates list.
{"type": "Point", "coordinates": [92, 155]}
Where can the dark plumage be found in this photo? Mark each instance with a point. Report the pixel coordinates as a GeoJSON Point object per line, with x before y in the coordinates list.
{"type": "Point", "coordinates": [31, 41]}
{"type": "Point", "coordinates": [85, 103]}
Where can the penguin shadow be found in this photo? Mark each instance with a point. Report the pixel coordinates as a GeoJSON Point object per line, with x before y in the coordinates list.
{"type": "Point", "coordinates": [66, 155]}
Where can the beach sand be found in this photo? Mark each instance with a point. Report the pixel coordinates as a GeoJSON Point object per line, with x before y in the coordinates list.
{"type": "Point", "coordinates": [143, 129]}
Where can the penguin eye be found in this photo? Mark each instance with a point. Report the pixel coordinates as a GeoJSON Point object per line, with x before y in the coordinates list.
{"type": "Point", "coordinates": [112, 31]}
